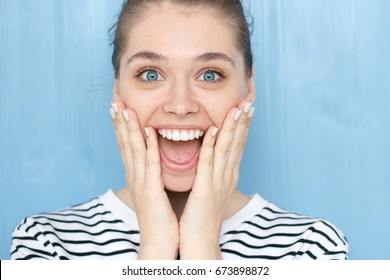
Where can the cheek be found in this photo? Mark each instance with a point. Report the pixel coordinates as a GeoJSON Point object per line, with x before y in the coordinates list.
{"type": "Point", "coordinates": [143, 104]}
{"type": "Point", "coordinates": [218, 116]}
{"type": "Point", "coordinates": [143, 110]}
{"type": "Point", "coordinates": [218, 108]}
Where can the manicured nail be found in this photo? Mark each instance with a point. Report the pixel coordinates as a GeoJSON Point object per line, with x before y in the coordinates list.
{"type": "Point", "coordinates": [215, 130]}
{"type": "Point", "coordinates": [147, 132]}
{"type": "Point", "coordinates": [251, 112]}
{"type": "Point", "coordinates": [125, 115]}
{"type": "Point", "coordinates": [247, 107]}
{"type": "Point", "coordinates": [237, 115]}
{"type": "Point", "coordinates": [112, 113]}
{"type": "Point", "coordinates": [115, 107]}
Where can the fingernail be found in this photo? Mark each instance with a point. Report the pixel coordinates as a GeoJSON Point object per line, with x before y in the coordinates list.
{"type": "Point", "coordinates": [237, 115]}
{"type": "Point", "coordinates": [247, 107]}
{"type": "Point", "coordinates": [147, 132]}
{"type": "Point", "coordinates": [125, 115]}
{"type": "Point", "coordinates": [115, 107]}
{"type": "Point", "coordinates": [112, 113]}
{"type": "Point", "coordinates": [251, 112]}
{"type": "Point", "coordinates": [215, 130]}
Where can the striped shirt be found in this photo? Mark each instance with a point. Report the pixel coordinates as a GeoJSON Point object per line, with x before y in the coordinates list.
{"type": "Point", "coordinates": [105, 228]}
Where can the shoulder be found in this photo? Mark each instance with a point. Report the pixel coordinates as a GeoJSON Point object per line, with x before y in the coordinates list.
{"type": "Point", "coordinates": [31, 239]}
{"type": "Point", "coordinates": [271, 232]}
{"type": "Point", "coordinates": [317, 237]}
{"type": "Point", "coordinates": [55, 235]}
{"type": "Point", "coordinates": [77, 214]}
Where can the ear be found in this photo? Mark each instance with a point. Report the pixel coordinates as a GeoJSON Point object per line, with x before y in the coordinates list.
{"type": "Point", "coordinates": [115, 91]}
{"type": "Point", "coordinates": [251, 94]}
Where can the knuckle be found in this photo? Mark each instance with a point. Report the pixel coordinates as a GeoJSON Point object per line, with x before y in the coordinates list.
{"type": "Point", "coordinates": [207, 161]}
{"type": "Point", "coordinates": [223, 151]}
{"type": "Point", "coordinates": [231, 128]}
{"type": "Point", "coordinates": [248, 124]}
{"type": "Point", "coordinates": [239, 145]}
{"type": "Point", "coordinates": [121, 147]}
{"type": "Point", "coordinates": [231, 176]}
{"type": "Point", "coordinates": [150, 162]}
{"type": "Point", "coordinates": [136, 153]}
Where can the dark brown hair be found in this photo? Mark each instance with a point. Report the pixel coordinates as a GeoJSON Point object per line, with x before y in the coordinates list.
{"type": "Point", "coordinates": [230, 10]}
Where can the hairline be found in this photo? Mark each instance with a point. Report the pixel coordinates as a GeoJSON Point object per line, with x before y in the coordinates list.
{"type": "Point", "coordinates": [186, 8]}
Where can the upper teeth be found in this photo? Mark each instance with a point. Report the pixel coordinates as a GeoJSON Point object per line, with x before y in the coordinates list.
{"type": "Point", "coordinates": [180, 135]}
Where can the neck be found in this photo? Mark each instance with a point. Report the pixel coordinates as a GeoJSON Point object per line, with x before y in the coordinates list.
{"type": "Point", "coordinates": [178, 201]}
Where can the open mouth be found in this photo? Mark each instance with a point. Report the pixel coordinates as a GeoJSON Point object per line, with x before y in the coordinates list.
{"type": "Point", "coordinates": [179, 148]}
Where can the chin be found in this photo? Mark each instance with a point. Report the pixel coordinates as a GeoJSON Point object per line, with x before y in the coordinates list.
{"type": "Point", "coordinates": [178, 182]}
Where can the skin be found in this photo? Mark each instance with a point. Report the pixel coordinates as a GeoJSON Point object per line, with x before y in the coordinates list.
{"type": "Point", "coordinates": [182, 212]}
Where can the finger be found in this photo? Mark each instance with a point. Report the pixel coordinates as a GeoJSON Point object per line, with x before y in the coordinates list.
{"type": "Point", "coordinates": [238, 145]}
{"type": "Point", "coordinates": [242, 131]}
{"type": "Point", "coordinates": [116, 105]}
{"type": "Point", "coordinates": [206, 157]}
{"type": "Point", "coordinates": [137, 145]}
{"type": "Point", "coordinates": [224, 143]}
{"type": "Point", "coordinates": [153, 179]}
{"type": "Point", "coordinates": [121, 133]}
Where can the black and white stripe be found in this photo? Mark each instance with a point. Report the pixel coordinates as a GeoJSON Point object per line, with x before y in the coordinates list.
{"type": "Point", "coordinates": [105, 228]}
{"type": "Point", "coordinates": [276, 234]}
{"type": "Point", "coordinates": [86, 231]}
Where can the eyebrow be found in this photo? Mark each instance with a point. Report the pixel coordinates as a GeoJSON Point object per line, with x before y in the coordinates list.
{"type": "Point", "coordinates": [208, 56]}
{"type": "Point", "coordinates": [205, 57]}
{"type": "Point", "coordinates": [147, 55]}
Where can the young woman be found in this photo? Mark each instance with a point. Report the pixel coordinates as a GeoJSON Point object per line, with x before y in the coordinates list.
{"type": "Point", "coordinates": [182, 107]}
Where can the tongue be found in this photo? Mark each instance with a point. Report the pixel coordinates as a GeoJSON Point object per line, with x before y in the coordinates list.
{"type": "Point", "coordinates": [179, 152]}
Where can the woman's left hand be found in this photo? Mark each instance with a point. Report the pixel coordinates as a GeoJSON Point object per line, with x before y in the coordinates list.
{"type": "Point", "coordinates": [215, 182]}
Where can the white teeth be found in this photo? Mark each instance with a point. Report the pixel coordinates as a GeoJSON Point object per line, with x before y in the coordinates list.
{"type": "Point", "coordinates": [184, 136]}
{"type": "Point", "coordinates": [180, 135]}
{"type": "Point", "coordinates": [176, 135]}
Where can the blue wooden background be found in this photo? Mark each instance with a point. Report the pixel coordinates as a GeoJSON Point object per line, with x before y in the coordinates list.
{"type": "Point", "coordinates": [320, 141]}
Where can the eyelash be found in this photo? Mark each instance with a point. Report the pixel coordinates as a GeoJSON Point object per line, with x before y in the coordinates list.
{"type": "Point", "coordinates": [220, 73]}
{"type": "Point", "coordinates": [142, 71]}
{"type": "Point", "coordinates": [217, 71]}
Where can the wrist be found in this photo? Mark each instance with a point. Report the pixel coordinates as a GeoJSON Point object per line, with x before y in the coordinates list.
{"type": "Point", "coordinates": [200, 250]}
{"type": "Point", "coordinates": [158, 251]}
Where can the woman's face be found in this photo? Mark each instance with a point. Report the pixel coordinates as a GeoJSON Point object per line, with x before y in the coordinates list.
{"type": "Point", "coordinates": [181, 72]}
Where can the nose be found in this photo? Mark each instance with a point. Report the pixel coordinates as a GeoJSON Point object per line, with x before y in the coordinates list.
{"type": "Point", "coordinates": [181, 100]}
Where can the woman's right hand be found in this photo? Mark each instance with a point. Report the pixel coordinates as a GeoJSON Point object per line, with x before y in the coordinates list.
{"type": "Point", "coordinates": [159, 229]}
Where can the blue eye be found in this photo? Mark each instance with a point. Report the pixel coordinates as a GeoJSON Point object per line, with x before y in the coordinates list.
{"type": "Point", "coordinates": [210, 76]}
{"type": "Point", "coordinates": [150, 75]}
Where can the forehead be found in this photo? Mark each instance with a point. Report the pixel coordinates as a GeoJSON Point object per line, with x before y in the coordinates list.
{"type": "Point", "coordinates": [181, 32]}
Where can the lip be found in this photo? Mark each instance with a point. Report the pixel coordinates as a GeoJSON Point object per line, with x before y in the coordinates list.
{"type": "Point", "coordinates": [182, 127]}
